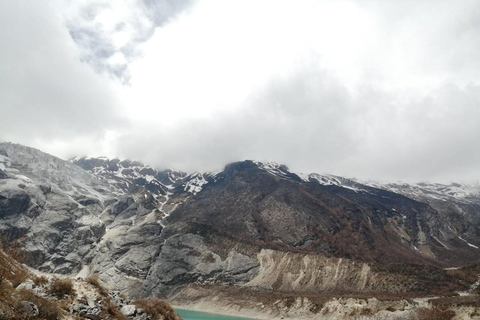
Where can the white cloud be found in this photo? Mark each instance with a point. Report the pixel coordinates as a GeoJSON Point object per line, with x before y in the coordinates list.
{"type": "Point", "coordinates": [369, 88]}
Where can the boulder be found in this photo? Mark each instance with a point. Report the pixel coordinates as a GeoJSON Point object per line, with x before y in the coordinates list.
{"type": "Point", "coordinates": [129, 310]}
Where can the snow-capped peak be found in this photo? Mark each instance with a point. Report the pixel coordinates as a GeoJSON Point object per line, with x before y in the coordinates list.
{"type": "Point", "coordinates": [274, 168]}
{"type": "Point", "coordinates": [123, 174]}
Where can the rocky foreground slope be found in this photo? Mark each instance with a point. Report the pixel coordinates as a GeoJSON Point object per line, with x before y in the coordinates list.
{"type": "Point", "coordinates": [27, 294]}
{"type": "Point", "coordinates": [251, 228]}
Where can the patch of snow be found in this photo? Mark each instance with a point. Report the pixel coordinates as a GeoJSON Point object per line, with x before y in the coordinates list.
{"type": "Point", "coordinates": [331, 180]}
{"type": "Point", "coordinates": [273, 168]}
{"type": "Point", "coordinates": [325, 180]}
{"type": "Point", "coordinates": [305, 177]}
{"type": "Point", "coordinates": [471, 245]}
{"type": "Point", "coordinates": [194, 185]}
{"type": "Point", "coordinates": [443, 244]}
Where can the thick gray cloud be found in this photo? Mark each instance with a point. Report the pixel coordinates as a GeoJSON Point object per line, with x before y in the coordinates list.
{"type": "Point", "coordinates": [314, 124]}
{"type": "Point", "coordinates": [47, 95]}
{"type": "Point", "coordinates": [109, 33]}
{"type": "Point", "coordinates": [369, 89]}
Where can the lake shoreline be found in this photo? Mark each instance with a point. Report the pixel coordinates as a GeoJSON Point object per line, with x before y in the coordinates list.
{"type": "Point", "coordinates": [215, 310]}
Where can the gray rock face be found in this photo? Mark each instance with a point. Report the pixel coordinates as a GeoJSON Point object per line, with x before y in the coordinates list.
{"type": "Point", "coordinates": [67, 216]}
{"type": "Point", "coordinates": [187, 259]}
{"type": "Point", "coordinates": [27, 285]}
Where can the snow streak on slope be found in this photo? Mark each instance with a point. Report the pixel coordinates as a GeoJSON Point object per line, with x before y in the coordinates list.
{"type": "Point", "coordinates": [471, 245]}
{"type": "Point", "coordinates": [195, 183]}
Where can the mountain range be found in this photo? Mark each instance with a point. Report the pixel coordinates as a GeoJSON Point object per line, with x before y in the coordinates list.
{"type": "Point", "coordinates": [253, 227]}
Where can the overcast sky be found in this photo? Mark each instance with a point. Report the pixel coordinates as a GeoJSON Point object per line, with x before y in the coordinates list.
{"type": "Point", "coordinates": [370, 89]}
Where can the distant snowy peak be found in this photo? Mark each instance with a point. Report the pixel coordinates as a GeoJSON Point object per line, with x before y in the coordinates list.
{"type": "Point", "coordinates": [196, 182]}
{"type": "Point", "coordinates": [127, 174]}
{"type": "Point", "coordinates": [434, 191]}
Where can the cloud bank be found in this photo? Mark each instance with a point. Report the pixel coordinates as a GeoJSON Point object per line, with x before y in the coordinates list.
{"type": "Point", "coordinates": [368, 89]}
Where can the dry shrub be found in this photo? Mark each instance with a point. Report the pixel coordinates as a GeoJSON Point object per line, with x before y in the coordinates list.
{"type": "Point", "coordinates": [94, 281]}
{"type": "Point", "coordinates": [40, 280]}
{"type": "Point", "coordinates": [18, 276]}
{"type": "Point", "coordinates": [157, 309]}
{"type": "Point", "coordinates": [6, 297]}
{"type": "Point", "coordinates": [434, 314]}
{"type": "Point", "coordinates": [13, 249]}
{"type": "Point", "coordinates": [112, 312]}
{"type": "Point", "coordinates": [11, 270]}
{"type": "Point", "coordinates": [61, 288]}
{"type": "Point", "coordinates": [64, 305]}
{"type": "Point", "coordinates": [48, 310]}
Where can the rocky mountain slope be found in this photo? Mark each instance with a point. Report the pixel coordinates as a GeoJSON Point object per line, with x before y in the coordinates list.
{"type": "Point", "coordinates": [27, 294]}
{"type": "Point", "coordinates": [253, 225]}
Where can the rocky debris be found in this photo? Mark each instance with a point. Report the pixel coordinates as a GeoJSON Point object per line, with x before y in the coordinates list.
{"type": "Point", "coordinates": [347, 308]}
{"type": "Point", "coordinates": [27, 284]}
{"type": "Point", "coordinates": [86, 301]}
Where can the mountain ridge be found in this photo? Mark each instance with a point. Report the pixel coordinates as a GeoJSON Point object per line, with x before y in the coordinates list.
{"type": "Point", "coordinates": [254, 225]}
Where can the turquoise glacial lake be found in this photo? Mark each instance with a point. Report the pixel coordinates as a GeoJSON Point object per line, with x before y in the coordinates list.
{"type": "Point", "coordinates": [196, 315]}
